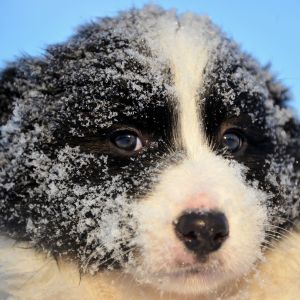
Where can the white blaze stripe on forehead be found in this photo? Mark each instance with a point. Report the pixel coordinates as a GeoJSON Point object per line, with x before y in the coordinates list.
{"type": "Point", "coordinates": [188, 62]}
{"type": "Point", "coordinates": [185, 46]}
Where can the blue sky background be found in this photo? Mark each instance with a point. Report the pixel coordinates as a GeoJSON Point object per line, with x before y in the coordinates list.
{"type": "Point", "coordinates": [269, 29]}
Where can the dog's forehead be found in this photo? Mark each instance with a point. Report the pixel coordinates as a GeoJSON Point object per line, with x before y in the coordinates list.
{"type": "Point", "coordinates": [152, 60]}
{"type": "Point", "coordinates": [185, 44]}
{"type": "Point", "coordinates": [142, 60]}
{"type": "Point", "coordinates": [176, 58]}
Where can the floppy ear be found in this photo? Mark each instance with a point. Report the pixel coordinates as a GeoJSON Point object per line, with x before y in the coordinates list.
{"type": "Point", "coordinates": [8, 92]}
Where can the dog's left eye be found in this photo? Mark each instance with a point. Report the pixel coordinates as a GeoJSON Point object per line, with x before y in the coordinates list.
{"type": "Point", "coordinates": [232, 141]}
{"type": "Point", "coordinates": [127, 141]}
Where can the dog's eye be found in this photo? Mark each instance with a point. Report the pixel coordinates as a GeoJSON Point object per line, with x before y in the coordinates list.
{"type": "Point", "coordinates": [127, 141]}
{"type": "Point", "coordinates": [232, 141]}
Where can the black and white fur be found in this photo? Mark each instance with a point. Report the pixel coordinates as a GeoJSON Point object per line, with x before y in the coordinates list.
{"type": "Point", "coordinates": [179, 85]}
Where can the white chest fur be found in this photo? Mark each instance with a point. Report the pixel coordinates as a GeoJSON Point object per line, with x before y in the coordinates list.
{"type": "Point", "coordinates": [27, 275]}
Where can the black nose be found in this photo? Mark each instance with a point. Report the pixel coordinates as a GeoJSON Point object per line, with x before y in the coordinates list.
{"type": "Point", "coordinates": [202, 232]}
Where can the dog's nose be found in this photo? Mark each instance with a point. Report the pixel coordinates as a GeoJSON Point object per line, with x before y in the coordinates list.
{"type": "Point", "coordinates": [202, 232]}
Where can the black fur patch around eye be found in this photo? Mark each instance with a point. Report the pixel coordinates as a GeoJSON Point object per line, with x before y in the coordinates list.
{"type": "Point", "coordinates": [241, 97]}
{"type": "Point", "coordinates": [68, 184]}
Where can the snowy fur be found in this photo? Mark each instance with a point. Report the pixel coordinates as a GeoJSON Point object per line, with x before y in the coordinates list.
{"type": "Point", "coordinates": [82, 219]}
{"type": "Point", "coordinates": [187, 60]}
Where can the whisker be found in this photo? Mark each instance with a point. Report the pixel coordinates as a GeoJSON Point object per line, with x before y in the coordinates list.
{"type": "Point", "coordinates": [115, 256]}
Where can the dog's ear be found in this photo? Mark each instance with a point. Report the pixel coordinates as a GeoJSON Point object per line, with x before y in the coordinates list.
{"type": "Point", "coordinates": [8, 92]}
{"type": "Point", "coordinates": [278, 92]}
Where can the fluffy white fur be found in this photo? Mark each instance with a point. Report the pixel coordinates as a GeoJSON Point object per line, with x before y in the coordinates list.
{"type": "Point", "coordinates": [28, 275]}
{"type": "Point", "coordinates": [221, 187]}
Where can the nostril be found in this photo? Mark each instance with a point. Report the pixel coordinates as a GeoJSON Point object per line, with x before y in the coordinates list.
{"type": "Point", "coordinates": [190, 236]}
{"type": "Point", "coordinates": [221, 236]}
{"type": "Point", "coordinates": [202, 232]}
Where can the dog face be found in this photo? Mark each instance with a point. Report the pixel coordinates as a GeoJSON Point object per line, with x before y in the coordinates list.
{"type": "Point", "coordinates": [150, 143]}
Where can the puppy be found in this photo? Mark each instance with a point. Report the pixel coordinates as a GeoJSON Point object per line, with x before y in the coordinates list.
{"type": "Point", "coordinates": [147, 156]}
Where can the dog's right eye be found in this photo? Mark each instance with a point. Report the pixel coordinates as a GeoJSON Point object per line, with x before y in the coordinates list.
{"type": "Point", "coordinates": [127, 141]}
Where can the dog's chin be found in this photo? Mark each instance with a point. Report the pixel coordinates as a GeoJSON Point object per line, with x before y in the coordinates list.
{"type": "Point", "coordinates": [190, 282]}
{"type": "Point", "coordinates": [199, 279]}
